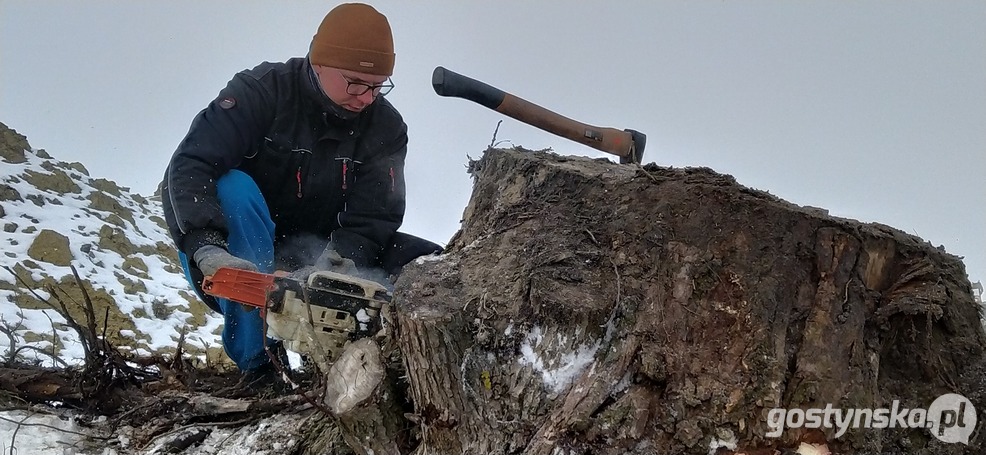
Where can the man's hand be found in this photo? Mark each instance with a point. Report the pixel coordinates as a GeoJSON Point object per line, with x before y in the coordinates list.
{"type": "Point", "coordinates": [331, 260]}
{"type": "Point", "coordinates": [211, 258]}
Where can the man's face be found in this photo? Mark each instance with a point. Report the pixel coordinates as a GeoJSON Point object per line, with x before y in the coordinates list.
{"type": "Point", "coordinates": [339, 84]}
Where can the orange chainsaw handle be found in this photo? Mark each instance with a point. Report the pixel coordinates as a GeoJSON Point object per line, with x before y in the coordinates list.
{"type": "Point", "coordinates": [241, 286]}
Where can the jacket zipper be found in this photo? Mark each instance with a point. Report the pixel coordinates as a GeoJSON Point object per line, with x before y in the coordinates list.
{"type": "Point", "coordinates": [345, 172]}
{"type": "Point", "coordinates": [299, 182]}
{"type": "Point", "coordinates": [345, 168]}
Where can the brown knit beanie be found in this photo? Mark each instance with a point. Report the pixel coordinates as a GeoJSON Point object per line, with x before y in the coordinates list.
{"type": "Point", "coordinates": [355, 37]}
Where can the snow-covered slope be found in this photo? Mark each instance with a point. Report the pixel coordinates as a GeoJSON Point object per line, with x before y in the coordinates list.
{"type": "Point", "coordinates": [54, 215]}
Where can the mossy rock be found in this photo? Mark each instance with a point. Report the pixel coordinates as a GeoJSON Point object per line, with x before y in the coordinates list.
{"type": "Point", "coordinates": [67, 291]}
{"type": "Point", "coordinates": [106, 186]}
{"type": "Point", "coordinates": [104, 306]}
{"type": "Point", "coordinates": [13, 145]}
{"type": "Point", "coordinates": [10, 227]}
{"type": "Point", "coordinates": [139, 313]}
{"type": "Point", "coordinates": [135, 266]}
{"type": "Point", "coordinates": [114, 239]}
{"type": "Point", "coordinates": [99, 200]}
{"type": "Point", "coordinates": [115, 220]}
{"type": "Point", "coordinates": [146, 250]}
{"type": "Point", "coordinates": [77, 167]}
{"type": "Point", "coordinates": [198, 311]}
{"type": "Point", "coordinates": [36, 338]}
{"type": "Point", "coordinates": [9, 193]}
{"type": "Point", "coordinates": [130, 287]}
{"type": "Point", "coordinates": [57, 181]}
{"type": "Point", "coordinates": [52, 247]}
{"type": "Point", "coordinates": [30, 230]}
{"type": "Point", "coordinates": [2, 212]}
{"type": "Point", "coordinates": [159, 221]}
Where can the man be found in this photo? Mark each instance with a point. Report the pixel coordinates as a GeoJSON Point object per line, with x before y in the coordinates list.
{"type": "Point", "coordinates": [295, 164]}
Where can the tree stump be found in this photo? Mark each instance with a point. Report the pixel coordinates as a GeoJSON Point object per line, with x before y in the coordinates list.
{"type": "Point", "coordinates": [587, 307]}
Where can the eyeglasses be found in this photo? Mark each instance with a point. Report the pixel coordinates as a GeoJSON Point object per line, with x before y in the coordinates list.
{"type": "Point", "coordinates": [356, 88]}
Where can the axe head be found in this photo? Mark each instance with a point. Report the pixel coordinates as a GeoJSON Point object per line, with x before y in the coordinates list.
{"type": "Point", "coordinates": [639, 141]}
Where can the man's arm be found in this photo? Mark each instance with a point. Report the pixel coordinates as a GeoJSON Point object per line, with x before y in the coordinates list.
{"type": "Point", "coordinates": [216, 142]}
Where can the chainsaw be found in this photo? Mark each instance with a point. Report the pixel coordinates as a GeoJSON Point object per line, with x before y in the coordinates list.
{"type": "Point", "coordinates": [321, 314]}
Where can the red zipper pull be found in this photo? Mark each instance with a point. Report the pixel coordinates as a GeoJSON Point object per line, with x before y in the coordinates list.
{"type": "Point", "coordinates": [299, 182]}
{"type": "Point", "coordinates": [392, 182]}
{"type": "Point", "coordinates": [344, 168]}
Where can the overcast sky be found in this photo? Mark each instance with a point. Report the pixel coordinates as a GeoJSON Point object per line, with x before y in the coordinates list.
{"type": "Point", "coordinates": [875, 110]}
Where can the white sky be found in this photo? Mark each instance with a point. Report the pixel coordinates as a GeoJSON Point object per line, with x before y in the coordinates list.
{"type": "Point", "coordinates": [875, 110]}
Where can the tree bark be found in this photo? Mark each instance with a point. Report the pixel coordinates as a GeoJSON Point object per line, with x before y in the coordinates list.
{"type": "Point", "coordinates": [589, 307]}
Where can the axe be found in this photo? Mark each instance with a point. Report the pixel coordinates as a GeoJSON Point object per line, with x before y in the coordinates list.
{"type": "Point", "coordinates": [626, 144]}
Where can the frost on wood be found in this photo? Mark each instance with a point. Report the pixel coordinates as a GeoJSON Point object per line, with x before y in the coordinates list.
{"type": "Point", "coordinates": [589, 307]}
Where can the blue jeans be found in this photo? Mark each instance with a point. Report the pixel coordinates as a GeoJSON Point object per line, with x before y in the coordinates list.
{"type": "Point", "coordinates": [251, 237]}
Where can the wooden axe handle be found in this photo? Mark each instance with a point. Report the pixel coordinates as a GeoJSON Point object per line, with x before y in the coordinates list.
{"type": "Point", "coordinates": [626, 144]}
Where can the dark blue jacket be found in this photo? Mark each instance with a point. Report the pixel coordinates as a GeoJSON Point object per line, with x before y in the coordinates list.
{"type": "Point", "coordinates": [319, 174]}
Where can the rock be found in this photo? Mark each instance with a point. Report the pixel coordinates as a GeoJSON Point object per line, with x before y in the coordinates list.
{"type": "Point", "coordinates": [105, 187]}
{"type": "Point", "coordinates": [9, 193]}
{"type": "Point", "coordinates": [12, 145]}
{"type": "Point", "coordinates": [99, 200]}
{"type": "Point", "coordinates": [115, 239]}
{"type": "Point", "coordinates": [57, 181]}
{"type": "Point", "coordinates": [52, 247]}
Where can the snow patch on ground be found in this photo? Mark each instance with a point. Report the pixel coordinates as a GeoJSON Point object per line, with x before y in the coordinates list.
{"type": "Point", "coordinates": [32, 433]}
{"type": "Point", "coordinates": [24, 432]}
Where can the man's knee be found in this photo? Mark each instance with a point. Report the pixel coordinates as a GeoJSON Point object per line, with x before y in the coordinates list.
{"type": "Point", "coordinates": [236, 191]}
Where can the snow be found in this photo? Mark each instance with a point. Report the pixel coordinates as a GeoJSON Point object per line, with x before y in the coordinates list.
{"type": "Point", "coordinates": [23, 432]}
{"type": "Point", "coordinates": [556, 375]}
{"type": "Point", "coordinates": [729, 443]}
{"type": "Point", "coordinates": [429, 258]}
{"type": "Point", "coordinates": [362, 316]}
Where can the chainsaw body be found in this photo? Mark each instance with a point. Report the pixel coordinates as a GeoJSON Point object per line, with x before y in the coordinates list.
{"type": "Point", "coordinates": [323, 313]}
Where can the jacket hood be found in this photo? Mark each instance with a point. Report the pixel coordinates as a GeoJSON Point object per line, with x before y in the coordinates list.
{"type": "Point", "coordinates": [335, 113]}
